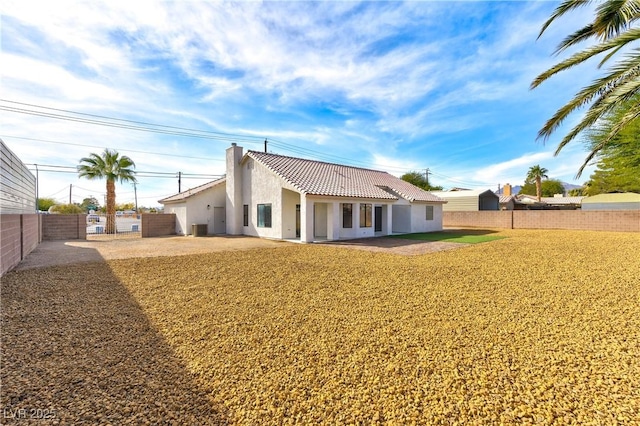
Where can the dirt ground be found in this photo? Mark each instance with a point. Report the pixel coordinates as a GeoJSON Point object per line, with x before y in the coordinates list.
{"type": "Point", "coordinates": [50, 253]}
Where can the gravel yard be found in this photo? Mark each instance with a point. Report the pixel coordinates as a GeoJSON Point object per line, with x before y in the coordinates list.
{"type": "Point", "coordinates": [541, 327]}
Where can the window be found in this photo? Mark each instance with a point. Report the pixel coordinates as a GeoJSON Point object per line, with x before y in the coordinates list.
{"type": "Point", "coordinates": [245, 215]}
{"type": "Point", "coordinates": [347, 215]}
{"type": "Point", "coordinates": [365, 215]}
{"type": "Point", "coordinates": [429, 212]}
{"type": "Point", "coordinates": [264, 215]}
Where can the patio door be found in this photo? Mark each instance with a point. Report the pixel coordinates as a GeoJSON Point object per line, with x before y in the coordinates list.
{"type": "Point", "coordinates": [378, 219]}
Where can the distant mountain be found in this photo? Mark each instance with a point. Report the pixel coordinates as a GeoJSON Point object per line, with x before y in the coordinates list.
{"type": "Point", "coordinates": [568, 186]}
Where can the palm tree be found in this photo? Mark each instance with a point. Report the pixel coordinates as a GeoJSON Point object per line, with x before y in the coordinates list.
{"type": "Point", "coordinates": [112, 167]}
{"type": "Point", "coordinates": [537, 173]}
{"type": "Point", "coordinates": [613, 28]}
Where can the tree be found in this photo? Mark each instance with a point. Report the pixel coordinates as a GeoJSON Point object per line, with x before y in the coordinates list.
{"type": "Point", "coordinates": [67, 209]}
{"type": "Point", "coordinates": [618, 165]}
{"type": "Point", "coordinates": [90, 203]}
{"type": "Point", "coordinates": [418, 179]}
{"type": "Point", "coordinates": [45, 203]}
{"type": "Point", "coordinates": [613, 27]}
{"type": "Point", "coordinates": [548, 188]}
{"type": "Point", "coordinates": [125, 206]}
{"type": "Point", "coordinates": [112, 167]}
{"type": "Point", "coordinates": [536, 174]}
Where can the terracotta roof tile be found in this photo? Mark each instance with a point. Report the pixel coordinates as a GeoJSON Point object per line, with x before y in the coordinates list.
{"type": "Point", "coordinates": [335, 180]}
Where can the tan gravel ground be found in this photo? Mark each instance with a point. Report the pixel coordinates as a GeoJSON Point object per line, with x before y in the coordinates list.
{"type": "Point", "coordinates": [98, 248]}
{"type": "Point", "coordinates": [542, 327]}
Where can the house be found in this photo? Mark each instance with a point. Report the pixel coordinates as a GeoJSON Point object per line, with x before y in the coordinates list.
{"type": "Point", "coordinates": [507, 200]}
{"type": "Point", "coordinates": [560, 202]}
{"type": "Point", "coordinates": [614, 201]}
{"type": "Point", "coordinates": [204, 204]}
{"type": "Point", "coordinates": [469, 200]}
{"type": "Point", "coordinates": [275, 196]}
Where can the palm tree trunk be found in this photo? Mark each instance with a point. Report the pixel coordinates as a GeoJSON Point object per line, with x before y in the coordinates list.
{"type": "Point", "coordinates": [111, 207]}
{"type": "Point", "coordinates": [539, 188]}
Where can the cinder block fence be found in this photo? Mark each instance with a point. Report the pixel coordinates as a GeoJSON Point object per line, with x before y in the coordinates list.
{"type": "Point", "coordinates": [20, 234]}
{"type": "Point", "coordinates": [593, 220]}
{"type": "Point", "coordinates": [64, 227]}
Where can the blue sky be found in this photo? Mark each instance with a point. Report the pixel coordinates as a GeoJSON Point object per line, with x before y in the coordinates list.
{"type": "Point", "coordinates": [384, 85]}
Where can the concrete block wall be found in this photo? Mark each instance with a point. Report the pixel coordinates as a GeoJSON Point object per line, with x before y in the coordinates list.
{"type": "Point", "coordinates": [604, 220]}
{"type": "Point", "coordinates": [64, 227]}
{"type": "Point", "coordinates": [19, 236]}
{"type": "Point", "coordinates": [157, 225]}
{"type": "Point", "coordinates": [31, 232]}
{"type": "Point", "coordinates": [478, 219]}
{"type": "Point", "coordinates": [10, 245]}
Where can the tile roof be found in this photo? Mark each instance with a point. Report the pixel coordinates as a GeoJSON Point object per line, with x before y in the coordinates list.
{"type": "Point", "coordinates": [335, 180]}
{"type": "Point", "coordinates": [506, 198]}
{"type": "Point", "coordinates": [562, 200]}
{"type": "Point", "coordinates": [462, 193]}
{"type": "Point", "coordinates": [192, 191]}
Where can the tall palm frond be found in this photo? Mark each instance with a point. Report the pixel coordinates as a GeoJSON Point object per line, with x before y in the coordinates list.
{"type": "Point", "coordinates": [613, 27]}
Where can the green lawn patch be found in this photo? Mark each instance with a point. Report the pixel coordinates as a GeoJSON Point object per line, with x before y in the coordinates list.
{"type": "Point", "coordinates": [451, 237]}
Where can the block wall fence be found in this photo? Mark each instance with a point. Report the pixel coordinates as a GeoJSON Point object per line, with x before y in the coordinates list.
{"type": "Point", "coordinates": [19, 235]}
{"type": "Point", "coordinates": [158, 225]}
{"type": "Point", "coordinates": [64, 227]}
{"type": "Point", "coordinates": [597, 220]}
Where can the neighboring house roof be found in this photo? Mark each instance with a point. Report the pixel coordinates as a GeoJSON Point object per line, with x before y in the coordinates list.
{"type": "Point", "coordinates": [192, 191]}
{"type": "Point", "coordinates": [504, 199]}
{"type": "Point", "coordinates": [335, 180]}
{"type": "Point", "coordinates": [562, 201]}
{"type": "Point", "coordinates": [618, 197]}
{"type": "Point", "coordinates": [463, 193]}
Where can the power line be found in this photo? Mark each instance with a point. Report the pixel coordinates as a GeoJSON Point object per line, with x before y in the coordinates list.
{"type": "Point", "coordinates": [143, 173]}
{"type": "Point", "coordinates": [117, 149]}
{"type": "Point", "coordinates": [186, 132]}
{"type": "Point", "coordinates": [127, 124]}
{"type": "Point", "coordinates": [178, 131]}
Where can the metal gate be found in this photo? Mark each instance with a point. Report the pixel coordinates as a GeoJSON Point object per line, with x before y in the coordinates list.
{"type": "Point", "coordinates": [112, 226]}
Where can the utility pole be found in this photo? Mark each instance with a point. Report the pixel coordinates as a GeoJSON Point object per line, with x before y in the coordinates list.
{"type": "Point", "coordinates": [265, 145]}
{"type": "Point", "coordinates": [179, 182]}
{"type": "Point", "coordinates": [426, 176]}
{"type": "Point", "coordinates": [37, 190]}
{"type": "Point", "coordinates": [135, 193]}
{"type": "Point", "coordinates": [70, 185]}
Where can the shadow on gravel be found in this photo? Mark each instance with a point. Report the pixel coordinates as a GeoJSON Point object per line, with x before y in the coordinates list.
{"type": "Point", "coordinates": [380, 242]}
{"type": "Point", "coordinates": [78, 349]}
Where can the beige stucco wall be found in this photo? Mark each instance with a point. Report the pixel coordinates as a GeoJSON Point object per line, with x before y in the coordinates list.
{"type": "Point", "coordinates": [419, 222]}
{"type": "Point", "coordinates": [198, 209]}
{"type": "Point", "coordinates": [180, 211]}
{"type": "Point", "coordinates": [261, 186]}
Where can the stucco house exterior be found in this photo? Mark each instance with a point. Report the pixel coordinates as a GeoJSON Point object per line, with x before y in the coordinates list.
{"type": "Point", "coordinates": [470, 200]}
{"type": "Point", "coordinates": [612, 201]}
{"type": "Point", "coordinates": [275, 196]}
{"type": "Point", "coordinates": [204, 204]}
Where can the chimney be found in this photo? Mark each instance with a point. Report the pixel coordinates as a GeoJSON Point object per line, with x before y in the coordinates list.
{"type": "Point", "coordinates": [506, 189]}
{"type": "Point", "coordinates": [234, 190]}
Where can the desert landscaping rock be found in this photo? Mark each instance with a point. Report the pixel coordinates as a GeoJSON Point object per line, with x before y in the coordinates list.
{"type": "Point", "coordinates": [542, 327]}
